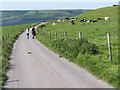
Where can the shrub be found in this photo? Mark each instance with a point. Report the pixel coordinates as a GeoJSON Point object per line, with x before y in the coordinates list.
{"type": "Point", "coordinates": [43, 25]}
{"type": "Point", "coordinates": [89, 48]}
{"type": "Point", "coordinates": [72, 47]}
{"type": "Point", "coordinates": [44, 21]}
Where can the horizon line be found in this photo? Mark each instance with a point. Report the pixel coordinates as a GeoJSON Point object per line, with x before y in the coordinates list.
{"type": "Point", "coordinates": [49, 9]}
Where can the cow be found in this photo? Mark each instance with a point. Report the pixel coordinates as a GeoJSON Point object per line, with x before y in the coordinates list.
{"type": "Point", "coordinates": [55, 23]}
{"type": "Point", "coordinates": [100, 19]}
{"type": "Point", "coordinates": [84, 20]}
{"type": "Point", "coordinates": [69, 21]}
{"type": "Point", "coordinates": [115, 5]}
{"type": "Point", "coordinates": [73, 23]}
{"type": "Point", "coordinates": [76, 18]}
{"type": "Point", "coordinates": [107, 18]}
{"type": "Point", "coordinates": [60, 20]}
{"type": "Point", "coordinates": [94, 21]}
{"type": "Point", "coordinates": [89, 21]}
{"type": "Point", "coordinates": [72, 19]}
{"type": "Point", "coordinates": [67, 18]}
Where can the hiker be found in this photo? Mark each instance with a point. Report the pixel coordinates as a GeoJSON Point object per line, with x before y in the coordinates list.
{"type": "Point", "coordinates": [33, 32]}
{"type": "Point", "coordinates": [27, 32]}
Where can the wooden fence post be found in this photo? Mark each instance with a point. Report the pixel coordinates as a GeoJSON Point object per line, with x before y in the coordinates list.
{"type": "Point", "coordinates": [2, 38]}
{"type": "Point", "coordinates": [46, 34]}
{"type": "Point", "coordinates": [50, 35]}
{"type": "Point", "coordinates": [109, 47]}
{"type": "Point", "coordinates": [5, 37]}
{"type": "Point", "coordinates": [8, 35]}
{"type": "Point", "coordinates": [65, 35]}
{"type": "Point", "coordinates": [37, 30]}
{"type": "Point", "coordinates": [80, 35]}
{"type": "Point", "coordinates": [55, 35]}
{"type": "Point", "coordinates": [43, 32]}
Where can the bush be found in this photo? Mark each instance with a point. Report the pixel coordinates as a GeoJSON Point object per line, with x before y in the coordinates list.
{"type": "Point", "coordinates": [43, 25]}
{"type": "Point", "coordinates": [89, 48]}
{"type": "Point", "coordinates": [70, 48]}
{"type": "Point", "coordinates": [44, 21]}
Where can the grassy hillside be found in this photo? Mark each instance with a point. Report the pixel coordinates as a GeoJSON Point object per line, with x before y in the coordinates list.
{"type": "Point", "coordinates": [23, 17]}
{"type": "Point", "coordinates": [12, 14]}
{"type": "Point", "coordinates": [97, 64]}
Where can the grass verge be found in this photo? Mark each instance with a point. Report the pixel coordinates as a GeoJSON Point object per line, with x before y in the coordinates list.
{"type": "Point", "coordinates": [11, 33]}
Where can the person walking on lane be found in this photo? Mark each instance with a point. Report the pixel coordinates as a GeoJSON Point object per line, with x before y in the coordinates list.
{"type": "Point", "coordinates": [33, 32]}
{"type": "Point", "coordinates": [27, 32]}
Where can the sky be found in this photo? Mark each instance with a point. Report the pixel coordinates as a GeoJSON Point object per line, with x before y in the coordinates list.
{"type": "Point", "coordinates": [59, 0]}
{"type": "Point", "coordinates": [54, 4]}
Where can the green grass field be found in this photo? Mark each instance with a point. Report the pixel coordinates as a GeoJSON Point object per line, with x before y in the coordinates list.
{"type": "Point", "coordinates": [98, 64]}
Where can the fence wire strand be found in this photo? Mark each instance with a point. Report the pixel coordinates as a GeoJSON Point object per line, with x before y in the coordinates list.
{"type": "Point", "coordinates": [61, 35]}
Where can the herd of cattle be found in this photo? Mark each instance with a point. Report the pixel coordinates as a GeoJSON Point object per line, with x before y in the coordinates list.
{"type": "Point", "coordinates": [71, 20]}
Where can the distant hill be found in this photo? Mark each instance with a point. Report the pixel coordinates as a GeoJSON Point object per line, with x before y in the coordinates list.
{"type": "Point", "coordinates": [32, 16]}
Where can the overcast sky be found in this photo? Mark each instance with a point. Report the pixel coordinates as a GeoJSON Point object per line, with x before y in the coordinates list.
{"type": "Point", "coordinates": [54, 4]}
{"type": "Point", "coordinates": [59, 0]}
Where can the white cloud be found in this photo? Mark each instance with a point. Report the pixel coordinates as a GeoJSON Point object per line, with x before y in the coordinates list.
{"type": "Point", "coordinates": [59, 0]}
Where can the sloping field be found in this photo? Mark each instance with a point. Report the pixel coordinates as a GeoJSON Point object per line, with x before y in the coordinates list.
{"type": "Point", "coordinates": [99, 64]}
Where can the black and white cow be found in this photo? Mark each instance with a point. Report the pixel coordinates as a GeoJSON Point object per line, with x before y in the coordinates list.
{"type": "Point", "coordinates": [115, 5]}
{"type": "Point", "coordinates": [73, 23]}
{"type": "Point", "coordinates": [55, 23]}
{"type": "Point", "coordinates": [100, 19]}
{"type": "Point", "coordinates": [74, 19]}
{"type": "Point", "coordinates": [83, 20]}
{"type": "Point", "coordinates": [60, 20]}
{"type": "Point", "coordinates": [94, 21]}
{"type": "Point", "coordinates": [67, 18]}
{"type": "Point", "coordinates": [107, 18]}
{"type": "Point", "coordinates": [89, 21]}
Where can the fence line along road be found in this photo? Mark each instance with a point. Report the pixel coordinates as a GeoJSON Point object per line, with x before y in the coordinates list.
{"type": "Point", "coordinates": [65, 36]}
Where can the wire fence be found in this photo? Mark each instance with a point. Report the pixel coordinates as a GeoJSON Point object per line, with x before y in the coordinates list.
{"type": "Point", "coordinates": [9, 35]}
{"type": "Point", "coordinates": [77, 35]}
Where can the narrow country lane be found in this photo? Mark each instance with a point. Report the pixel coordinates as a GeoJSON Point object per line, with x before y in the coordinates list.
{"type": "Point", "coordinates": [45, 69]}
